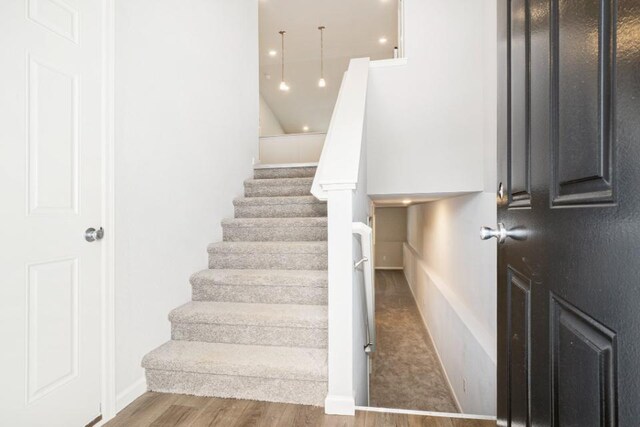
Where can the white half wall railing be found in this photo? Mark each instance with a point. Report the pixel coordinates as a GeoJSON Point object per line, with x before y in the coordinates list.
{"type": "Point", "coordinates": [340, 180]}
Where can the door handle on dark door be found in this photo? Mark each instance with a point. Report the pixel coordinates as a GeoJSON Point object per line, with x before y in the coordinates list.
{"type": "Point", "coordinates": [501, 233]}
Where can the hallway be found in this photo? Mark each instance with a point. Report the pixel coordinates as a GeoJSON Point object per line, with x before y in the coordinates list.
{"type": "Point", "coordinates": [406, 373]}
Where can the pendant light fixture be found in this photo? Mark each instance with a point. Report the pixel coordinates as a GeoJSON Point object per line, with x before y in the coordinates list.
{"type": "Point", "coordinates": [321, 82]}
{"type": "Point", "coordinates": [283, 85]}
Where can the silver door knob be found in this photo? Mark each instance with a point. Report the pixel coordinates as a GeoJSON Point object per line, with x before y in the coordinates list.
{"type": "Point", "coordinates": [500, 233]}
{"type": "Point", "coordinates": [91, 235]}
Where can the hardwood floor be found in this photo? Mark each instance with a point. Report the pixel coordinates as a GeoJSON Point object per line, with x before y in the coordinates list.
{"type": "Point", "coordinates": [173, 410]}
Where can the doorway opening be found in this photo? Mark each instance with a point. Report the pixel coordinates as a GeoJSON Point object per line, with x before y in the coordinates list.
{"type": "Point", "coordinates": [426, 335]}
{"type": "Point", "coordinates": [405, 370]}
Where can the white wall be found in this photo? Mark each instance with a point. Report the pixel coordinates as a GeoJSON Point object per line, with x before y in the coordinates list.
{"type": "Point", "coordinates": [269, 123]}
{"type": "Point", "coordinates": [186, 133]}
{"type": "Point", "coordinates": [431, 129]}
{"type": "Point", "coordinates": [452, 274]}
{"type": "Point", "coordinates": [425, 118]}
{"type": "Point", "coordinates": [292, 148]}
{"type": "Point", "coordinates": [390, 235]}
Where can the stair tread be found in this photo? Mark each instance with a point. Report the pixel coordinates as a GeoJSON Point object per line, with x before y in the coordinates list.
{"type": "Point", "coordinates": [239, 360]}
{"type": "Point", "coordinates": [306, 181]}
{"type": "Point", "coordinates": [231, 277]}
{"type": "Point", "coordinates": [251, 314]}
{"type": "Point", "coordinates": [274, 171]}
{"type": "Point", "coordinates": [276, 200]}
{"type": "Point", "coordinates": [262, 166]}
{"type": "Point", "coordinates": [276, 222]}
{"type": "Point", "coordinates": [317, 247]}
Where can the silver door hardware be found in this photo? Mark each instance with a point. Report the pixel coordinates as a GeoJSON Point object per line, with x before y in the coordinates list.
{"type": "Point", "coordinates": [500, 191]}
{"type": "Point", "coordinates": [501, 233]}
{"type": "Point", "coordinates": [91, 235]}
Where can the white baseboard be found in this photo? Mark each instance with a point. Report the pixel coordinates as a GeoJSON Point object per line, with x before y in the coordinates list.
{"type": "Point", "coordinates": [339, 405]}
{"type": "Point", "coordinates": [131, 393]}
{"type": "Point", "coordinates": [426, 413]}
{"type": "Point", "coordinates": [388, 268]}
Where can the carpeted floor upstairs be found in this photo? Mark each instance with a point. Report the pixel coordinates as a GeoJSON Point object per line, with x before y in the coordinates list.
{"type": "Point", "coordinates": [256, 327]}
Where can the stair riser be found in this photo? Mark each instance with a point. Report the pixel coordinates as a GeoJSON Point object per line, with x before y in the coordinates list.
{"type": "Point", "coordinates": [250, 388]}
{"type": "Point", "coordinates": [250, 334]}
{"type": "Point", "coordinates": [284, 173]}
{"type": "Point", "coordinates": [281, 211]}
{"type": "Point", "coordinates": [274, 234]}
{"type": "Point", "coordinates": [264, 261]}
{"type": "Point", "coordinates": [276, 190]}
{"type": "Point", "coordinates": [260, 294]}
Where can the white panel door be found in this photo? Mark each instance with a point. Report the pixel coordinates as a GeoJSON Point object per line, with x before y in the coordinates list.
{"type": "Point", "coordinates": [51, 127]}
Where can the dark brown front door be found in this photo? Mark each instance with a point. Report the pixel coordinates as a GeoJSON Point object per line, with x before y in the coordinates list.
{"type": "Point", "coordinates": [569, 158]}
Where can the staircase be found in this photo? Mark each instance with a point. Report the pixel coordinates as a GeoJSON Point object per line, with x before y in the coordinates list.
{"type": "Point", "coordinates": [256, 327]}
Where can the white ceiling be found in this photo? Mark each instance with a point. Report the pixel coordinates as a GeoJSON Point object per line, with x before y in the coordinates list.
{"type": "Point", "coordinates": [353, 28]}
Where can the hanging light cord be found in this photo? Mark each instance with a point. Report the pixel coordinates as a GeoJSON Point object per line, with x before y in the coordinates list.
{"type": "Point", "coordinates": [321, 51]}
{"type": "Point", "coordinates": [282, 70]}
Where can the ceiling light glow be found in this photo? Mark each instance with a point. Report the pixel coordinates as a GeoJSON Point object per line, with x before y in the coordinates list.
{"type": "Point", "coordinates": [305, 128]}
{"type": "Point", "coordinates": [382, 40]}
{"type": "Point", "coordinates": [273, 52]}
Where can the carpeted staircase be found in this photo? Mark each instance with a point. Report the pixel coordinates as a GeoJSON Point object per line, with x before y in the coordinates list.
{"type": "Point", "coordinates": [257, 326]}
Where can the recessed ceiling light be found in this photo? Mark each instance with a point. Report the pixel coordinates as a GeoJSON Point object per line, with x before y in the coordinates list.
{"type": "Point", "coordinates": [382, 40]}
{"type": "Point", "coordinates": [273, 52]}
{"type": "Point", "coordinates": [305, 128]}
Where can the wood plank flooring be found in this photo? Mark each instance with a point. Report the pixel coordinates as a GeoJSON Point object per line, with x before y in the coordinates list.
{"type": "Point", "coordinates": [173, 410]}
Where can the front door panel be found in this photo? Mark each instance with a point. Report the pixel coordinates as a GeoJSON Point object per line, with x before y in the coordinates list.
{"type": "Point", "coordinates": [568, 296]}
{"type": "Point", "coordinates": [582, 49]}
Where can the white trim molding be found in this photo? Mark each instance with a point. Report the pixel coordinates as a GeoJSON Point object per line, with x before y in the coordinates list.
{"type": "Point", "coordinates": [340, 405]}
{"type": "Point", "coordinates": [108, 343]}
{"type": "Point", "coordinates": [385, 63]}
{"type": "Point", "coordinates": [131, 393]}
{"type": "Point", "coordinates": [427, 413]}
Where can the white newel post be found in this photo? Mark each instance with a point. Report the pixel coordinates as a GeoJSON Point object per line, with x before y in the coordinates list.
{"type": "Point", "coordinates": [340, 397]}
{"type": "Point", "coordinates": [335, 181]}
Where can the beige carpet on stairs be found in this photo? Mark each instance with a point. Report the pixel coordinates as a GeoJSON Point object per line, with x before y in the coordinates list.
{"type": "Point", "coordinates": [256, 327]}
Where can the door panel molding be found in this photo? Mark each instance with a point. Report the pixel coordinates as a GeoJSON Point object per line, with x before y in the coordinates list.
{"type": "Point", "coordinates": [53, 170]}
{"type": "Point", "coordinates": [583, 365]}
{"type": "Point", "coordinates": [518, 347]}
{"type": "Point", "coordinates": [582, 93]}
{"type": "Point", "coordinates": [519, 113]}
{"type": "Point", "coordinates": [52, 326]}
{"type": "Point", "coordinates": [56, 16]}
